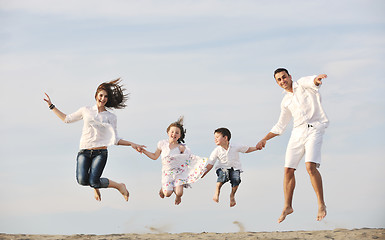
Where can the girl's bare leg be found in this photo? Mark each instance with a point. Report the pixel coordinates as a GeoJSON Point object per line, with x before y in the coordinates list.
{"type": "Point", "coordinates": [178, 194]}
{"type": "Point", "coordinates": [161, 194]}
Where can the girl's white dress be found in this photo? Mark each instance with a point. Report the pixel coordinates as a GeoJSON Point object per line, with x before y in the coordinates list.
{"type": "Point", "coordinates": [179, 169]}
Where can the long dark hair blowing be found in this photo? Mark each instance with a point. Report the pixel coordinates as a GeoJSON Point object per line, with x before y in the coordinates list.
{"type": "Point", "coordinates": [115, 93]}
{"type": "Point", "coordinates": [179, 124]}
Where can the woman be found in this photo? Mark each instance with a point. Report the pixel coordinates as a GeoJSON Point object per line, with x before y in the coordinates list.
{"type": "Point", "coordinates": [99, 132]}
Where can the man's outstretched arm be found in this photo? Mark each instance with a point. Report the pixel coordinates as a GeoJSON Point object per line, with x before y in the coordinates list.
{"type": "Point", "coordinates": [261, 144]}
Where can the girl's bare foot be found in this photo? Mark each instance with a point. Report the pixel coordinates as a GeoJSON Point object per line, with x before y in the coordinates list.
{"type": "Point", "coordinates": [97, 195]}
{"type": "Point", "coordinates": [123, 190]}
{"type": "Point", "coordinates": [178, 200]}
{"type": "Point", "coordinates": [321, 213]}
{"type": "Point", "coordinates": [286, 211]}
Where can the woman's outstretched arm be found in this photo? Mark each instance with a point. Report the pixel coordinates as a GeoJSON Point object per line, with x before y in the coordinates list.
{"type": "Point", "coordinates": [58, 113]}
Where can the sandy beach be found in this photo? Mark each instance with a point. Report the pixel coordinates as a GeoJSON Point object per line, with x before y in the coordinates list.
{"type": "Point", "coordinates": [359, 234]}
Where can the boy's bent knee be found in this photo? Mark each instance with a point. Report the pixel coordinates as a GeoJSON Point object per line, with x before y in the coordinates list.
{"type": "Point", "coordinates": [235, 182]}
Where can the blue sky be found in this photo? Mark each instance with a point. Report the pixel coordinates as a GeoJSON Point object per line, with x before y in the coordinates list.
{"type": "Point", "coordinates": [211, 61]}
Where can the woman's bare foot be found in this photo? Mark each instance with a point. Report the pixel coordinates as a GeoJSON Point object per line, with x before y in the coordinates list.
{"type": "Point", "coordinates": [286, 211]}
{"type": "Point", "coordinates": [161, 194]}
{"type": "Point", "coordinates": [321, 213]}
{"type": "Point", "coordinates": [97, 195]}
{"type": "Point", "coordinates": [123, 190]}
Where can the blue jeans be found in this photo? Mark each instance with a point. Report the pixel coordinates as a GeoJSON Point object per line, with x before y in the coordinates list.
{"type": "Point", "coordinates": [225, 175]}
{"type": "Point", "coordinates": [90, 166]}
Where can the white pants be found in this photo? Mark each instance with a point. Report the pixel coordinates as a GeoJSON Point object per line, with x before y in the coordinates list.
{"type": "Point", "coordinates": [305, 139]}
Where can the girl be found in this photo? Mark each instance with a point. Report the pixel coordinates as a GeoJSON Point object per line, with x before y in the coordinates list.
{"type": "Point", "coordinates": [99, 132]}
{"type": "Point", "coordinates": [179, 166]}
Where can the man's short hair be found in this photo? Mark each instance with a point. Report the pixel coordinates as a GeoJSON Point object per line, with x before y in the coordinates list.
{"type": "Point", "coordinates": [225, 132]}
{"type": "Point", "coordinates": [278, 70]}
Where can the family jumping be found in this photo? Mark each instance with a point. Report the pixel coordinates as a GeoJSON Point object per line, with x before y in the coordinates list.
{"type": "Point", "coordinates": [180, 167]}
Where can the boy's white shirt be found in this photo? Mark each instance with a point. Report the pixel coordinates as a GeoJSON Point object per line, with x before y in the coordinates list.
{"type": "Point", "coordinates": [227, 158]}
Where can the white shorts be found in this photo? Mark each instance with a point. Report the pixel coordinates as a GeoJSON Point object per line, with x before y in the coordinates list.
{"type": "Point", "coordinates": [305, 139]}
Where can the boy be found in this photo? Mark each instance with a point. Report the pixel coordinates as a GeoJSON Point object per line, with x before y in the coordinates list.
{"type": "Point", "coordinates": [229, 166]}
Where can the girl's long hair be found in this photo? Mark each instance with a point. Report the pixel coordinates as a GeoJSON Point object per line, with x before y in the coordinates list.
{"type": "Point", "coordinates": [115, 93]}
{"type": "Point", "coordinates": [179, 124]}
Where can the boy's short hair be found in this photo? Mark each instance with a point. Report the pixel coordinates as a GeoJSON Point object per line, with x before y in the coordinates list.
{"type": "Point", "coordinates": [225, 132]}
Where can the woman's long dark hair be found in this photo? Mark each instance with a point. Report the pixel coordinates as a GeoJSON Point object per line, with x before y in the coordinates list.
{"type": "Point", "coordinates": [115, 93]}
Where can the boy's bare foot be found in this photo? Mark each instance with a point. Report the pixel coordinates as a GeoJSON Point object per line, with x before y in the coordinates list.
{"type": "Point", "coordinates": [216, 196]}
{"type": "Point", "coordinates": [286, 211]}
{"type": "Point", "coordinates": [321, 213]}
{"type": "Point", "coordinates": [178, 200]}
{"type": "Point", "coordinates": [97, 195]}
{"type": "Point", "coordinates": [232, 202]}
{"type": "Point", "coordinates": [123, 190]}
{"type": "Point", "coordinates": [161, 194]}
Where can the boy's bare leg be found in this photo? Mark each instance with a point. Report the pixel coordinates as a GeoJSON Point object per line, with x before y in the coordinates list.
{"type": "Point", "coordinates": [97, 195]}
{"type": "Point", "coordinates": [288, 189]}
{"type": "Point", "coordinates": [121, 187]}
{"type": "Point", "coordinates": [316, 181]}
{"type": "Point", "coordinates": [232, 196]}
{"type": "Point", "coordinates": [178, 194]}
{"type": "Point", "coordinates": [217, 191]}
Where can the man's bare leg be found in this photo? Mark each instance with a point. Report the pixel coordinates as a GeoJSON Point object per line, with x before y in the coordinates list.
{"type": "Point", "coordinates": [232, 196]}
{"type": "Point", "coordinates": [316, 181]}
{"type": "Point", "coordinates": [288, 189]}
{"type": "Point", "coordinates": [121, 187]}
{"type": "Point", "coordinates": [97, 195]}
{"type": "Point", "coordinates": [217, 191]}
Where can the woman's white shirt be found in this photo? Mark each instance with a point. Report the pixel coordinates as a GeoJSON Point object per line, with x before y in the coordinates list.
{"type": "Point", "coordinates": [99, 129]}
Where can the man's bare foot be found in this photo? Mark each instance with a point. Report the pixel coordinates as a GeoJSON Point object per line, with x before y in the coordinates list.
{"type": "Point", "coordinates": [232, 202]}
{"type": "Point", "coordinates": [123, 190]}
{"type": "Point", "coordinates": [285, 212]}
{"type": "Point", "coordinates": [178, 200]}
{"type": "Point", "coordinates": [161, 194]}
{"type": "Point", "coordinates": [321, 213]}
{"type": "Point", "coordinates": [97, 195]}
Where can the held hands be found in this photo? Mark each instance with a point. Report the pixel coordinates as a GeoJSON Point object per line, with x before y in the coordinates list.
{"type": "Point", "coordinates": [261, 144]}
{"type": "Point", "coordinates": [138, 148]}
{"type": "Point", "coordinates": [319, 78]}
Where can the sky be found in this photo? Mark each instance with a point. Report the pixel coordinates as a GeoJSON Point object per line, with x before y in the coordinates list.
{"type": "Point", "coordinates": [212, 62]}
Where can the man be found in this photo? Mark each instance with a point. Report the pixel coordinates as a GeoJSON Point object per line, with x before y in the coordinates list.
{"type": "Point", "coordinates": [302, 102]}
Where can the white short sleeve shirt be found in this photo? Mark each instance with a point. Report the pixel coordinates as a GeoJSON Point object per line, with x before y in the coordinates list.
{"type": "Point", "coordinates": [227, 158]}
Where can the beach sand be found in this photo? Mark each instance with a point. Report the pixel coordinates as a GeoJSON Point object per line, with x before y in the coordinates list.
{"type": "Point", "coordinates": [359, 234]}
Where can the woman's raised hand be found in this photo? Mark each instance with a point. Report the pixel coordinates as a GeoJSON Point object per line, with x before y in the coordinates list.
{"type": "Point", "coordinates": [48, 99]}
